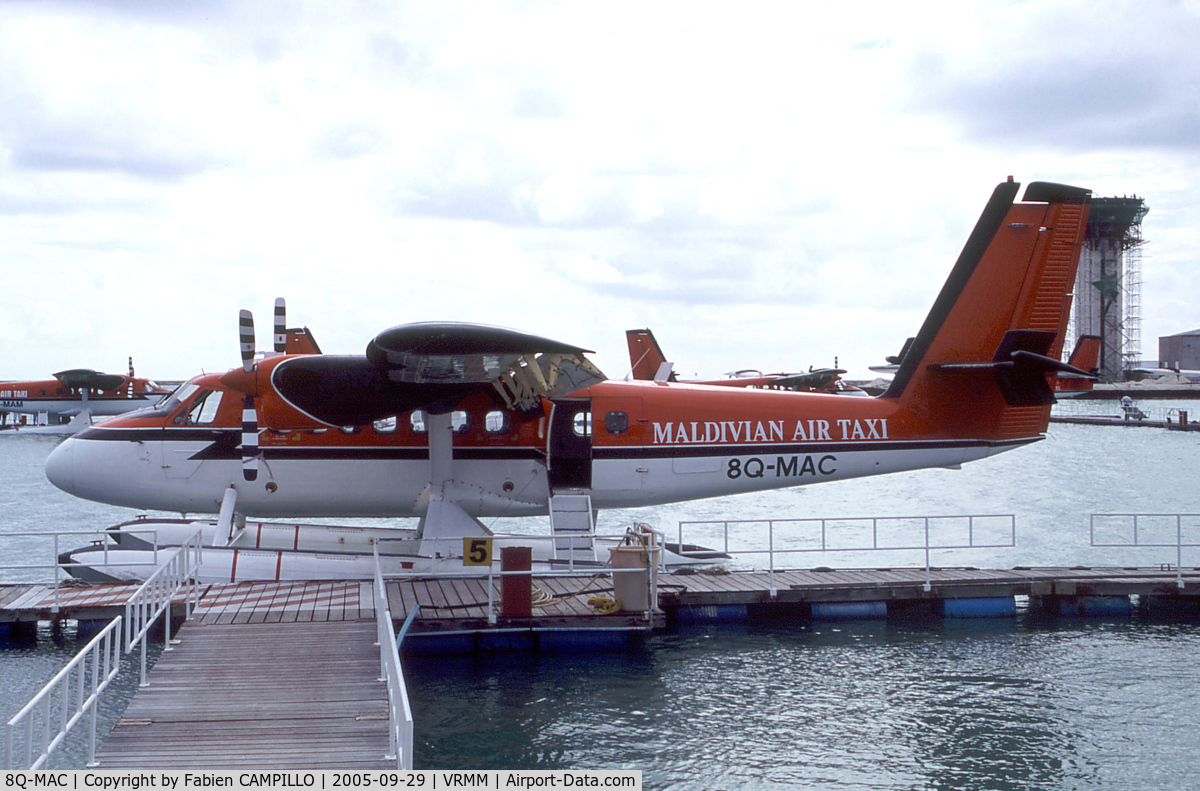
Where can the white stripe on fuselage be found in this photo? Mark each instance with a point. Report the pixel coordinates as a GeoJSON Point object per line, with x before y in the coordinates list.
{"type": "Point", "coordinates": [163, 476]}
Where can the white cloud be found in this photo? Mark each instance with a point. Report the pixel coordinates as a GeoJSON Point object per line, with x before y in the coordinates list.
{"type": "Point", "coordinates": [766, 186]}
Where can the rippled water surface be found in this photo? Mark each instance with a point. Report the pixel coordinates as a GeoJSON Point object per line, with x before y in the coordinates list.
{"type": "Point", "coordinates": [1025, 703]}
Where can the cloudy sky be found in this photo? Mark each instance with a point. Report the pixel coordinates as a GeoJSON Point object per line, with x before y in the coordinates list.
{"type": "Point", "coordinates": [765, 185]}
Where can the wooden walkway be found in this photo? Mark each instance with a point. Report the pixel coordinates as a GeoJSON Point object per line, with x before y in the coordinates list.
{"type": "Point", "coordinates": [285, 674]}
{"type": "Point", "coordinates": [291, 693]}
{"type": "Point", "coordinates": [883, 584]}
{"type": "Point", "coordinates": [457, 605]}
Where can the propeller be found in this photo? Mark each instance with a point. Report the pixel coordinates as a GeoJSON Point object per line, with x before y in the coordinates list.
{"type": "Point", "coordinates": [249, 414]}
{"type": "Point", "coordinates": [280, 325]}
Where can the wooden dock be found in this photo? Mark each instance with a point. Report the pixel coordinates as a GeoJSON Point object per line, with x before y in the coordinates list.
{"type": "Point", "coordinates": [459, 605]}
{"type": "Point", "coordinates": [908, 584]}
{"type": "Point", "coordinates": [286, 674]}
{"type": "Point", "coordinates": [1103, 420]}
{"type": "Point", "coordinates": [282, 695]}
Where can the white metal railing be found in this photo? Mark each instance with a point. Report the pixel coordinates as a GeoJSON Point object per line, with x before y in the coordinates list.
{"type": "Point", "coordinates": [1136, 412]}
{"type": "Point", "coordinates": [400, 719]}
{"type": "Point", "coordinates": [653, 543]}
{"type": "Point", "coordinates": [143, 608]}
{"type": "Point", "coordinates": [98, 538]}
{"type": "Point", "coordinates": [1135, 527]}
{"type": "Point", "coordinates": [46, 719]}
{"type": "Point", "coordinates": [821, 541]}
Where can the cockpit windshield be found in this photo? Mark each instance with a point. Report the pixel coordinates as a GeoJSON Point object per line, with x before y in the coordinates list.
{"type": "Point", "coordinates": [170, 403]}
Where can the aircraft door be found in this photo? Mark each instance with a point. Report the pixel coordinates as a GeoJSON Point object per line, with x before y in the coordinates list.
{"type": "Point", "coordinates": [569, 454]}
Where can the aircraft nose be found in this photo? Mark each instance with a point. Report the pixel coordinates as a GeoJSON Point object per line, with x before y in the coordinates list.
{"type": "Point", "coordinates": [60, 466]}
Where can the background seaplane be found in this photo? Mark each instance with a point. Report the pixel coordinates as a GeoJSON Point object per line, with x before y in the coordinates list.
{"type": "Point", "coordinates": [647, 362]}
{"type": "Point", "coordinates": [68, 402]}
{"type": "Point", "coordinates": [452, 422]}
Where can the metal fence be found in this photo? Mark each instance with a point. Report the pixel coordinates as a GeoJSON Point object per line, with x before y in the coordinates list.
{"type": "Point", "coordinates": [823, 535]}
{"type": "Point", "coordinates": [46, 720]}
{"type": "Point", "coordinates": [57, 569]}
{"type": "Point", "coordinates": [40, 727]}
{"type": "Point", "coordinates": [177, 572]}
{"type": "Point", "coordinates": [1147, 531]}
{"type": "Point", "coordinates": [400, 719]}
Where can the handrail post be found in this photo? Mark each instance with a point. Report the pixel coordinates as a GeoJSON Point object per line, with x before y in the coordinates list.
{"type": "Point", "coordinates": [771, 555]}
{"type": "Point", "coordinates": [57, 565]}
{"type": "Point", "coordinates": [928, 578]}
{"type": "Point", "coordinates": [1179, 550]}
{"type": "Point", "coordinates": [491, 594]}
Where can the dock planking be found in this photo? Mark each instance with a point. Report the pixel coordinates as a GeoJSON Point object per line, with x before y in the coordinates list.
{"type": "Point", "coordinates": [282, 695]}
{"type": "Point", "coordinates": [461, 603]}
{"type": "Point", "coordinates": [828, 585]}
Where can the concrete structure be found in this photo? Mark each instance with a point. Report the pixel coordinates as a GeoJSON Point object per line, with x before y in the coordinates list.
{"type": "Point", "coordinates": [1108, 285]}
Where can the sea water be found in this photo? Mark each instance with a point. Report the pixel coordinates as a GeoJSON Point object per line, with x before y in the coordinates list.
{"type": "Point", "coordinates": [1025, 703]}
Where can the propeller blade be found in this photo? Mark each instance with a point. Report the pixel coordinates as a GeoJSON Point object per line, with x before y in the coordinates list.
{"type": "Point", "coordinates": [280, 325]}
{"type": "Point", "coordinates": [249, 414]}
{"type": "Point", "coordinates": [246, 334]}
{"type": "Point", "coordinates": [249, 439]}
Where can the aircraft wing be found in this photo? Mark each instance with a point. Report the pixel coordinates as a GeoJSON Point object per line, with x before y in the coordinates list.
{"type": "Point", "coordinates": [819, 379]}
{"type": "Point", "coordinates": [87, 378]}
{"type": "Point", "coordinates": [432, 366]}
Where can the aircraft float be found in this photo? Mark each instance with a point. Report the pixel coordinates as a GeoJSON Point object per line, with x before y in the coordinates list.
{"type": "Point", "coordinates": [78, 395]}
{"type": "Point", "coordinates": [454, 423]}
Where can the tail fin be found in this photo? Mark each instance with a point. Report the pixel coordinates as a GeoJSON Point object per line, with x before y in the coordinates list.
{"type": "Point", "coordinates": [1086, 357]}
{"type": "Point", "coordinates": [979, 365]}
{"type": "Point", "coordinates": [1087, 353]}
{"type": "Point", "coordinates": [646, 359]}
{"type": "Point", "coordinates": [300, 341]}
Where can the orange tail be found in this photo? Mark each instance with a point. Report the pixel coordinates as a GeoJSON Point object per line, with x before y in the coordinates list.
{"type": "Point", "coordinates": [301, 341]}
{"type": "Point", "coordinates": [1087, 353]}
{"type": "Point", "coordinates": [645, 357]}
{"type": "Point", "coordinates": [980, 364]}
{"type": "Point", "coordinates": [1086, 357]}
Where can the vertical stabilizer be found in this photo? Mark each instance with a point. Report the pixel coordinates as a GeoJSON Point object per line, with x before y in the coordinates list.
{"type": "Point", "coordinates": [645, 356]}
{"type": "Point", "coordinates": [980, 364]}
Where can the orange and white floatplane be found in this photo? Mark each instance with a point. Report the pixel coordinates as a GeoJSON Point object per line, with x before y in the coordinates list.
{"type": "Point", "coordinates": [454, 422]}
{"type": "Point", "coordinates": [67, 403]}
{"type": "Point", "coordinates": [647, 361]}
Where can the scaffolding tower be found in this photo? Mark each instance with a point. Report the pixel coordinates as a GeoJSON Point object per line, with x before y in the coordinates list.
{"type": "Point", "coordinates": [1108, 287]}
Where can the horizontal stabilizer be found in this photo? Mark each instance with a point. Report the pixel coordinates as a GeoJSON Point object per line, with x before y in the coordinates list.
{"type": "Point", "coordinates": [1020, 368]}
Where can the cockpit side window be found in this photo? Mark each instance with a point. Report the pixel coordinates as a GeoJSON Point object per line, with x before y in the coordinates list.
{"type": "Point", "coordinates": [171, 402]}
{"type": "Point", "coordinates": [204, 408]}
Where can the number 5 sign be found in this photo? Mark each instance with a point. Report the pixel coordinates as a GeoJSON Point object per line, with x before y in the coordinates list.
{"type": "Point", "coordinates": [477, 551]}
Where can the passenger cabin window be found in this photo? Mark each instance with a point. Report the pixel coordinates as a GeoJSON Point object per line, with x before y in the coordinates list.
{"type": "Point", "coordinates": [204, 408]}
{"type": "Point", "coordinates": [459, 421]}
{"type": "Point", "coordinates": [582, 424]}
{"type": "Point", "coordinates": [616, 422]}
{"type": "Point", "coordinates": [350, 429]}
{"type": "Point", "coordinates": [496, 422]}
{"type": "Point", "coordinates": [385, 426]}
{"type": "Point", "coordinates": [418, 421]}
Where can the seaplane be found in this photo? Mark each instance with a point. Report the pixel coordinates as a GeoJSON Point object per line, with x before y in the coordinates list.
{"type": "Point", "coordinates": [647, 361]}
{"type": "Point", "coordinates": [454, 423]}
{"type": "Point", "coordinates": [67, 403]}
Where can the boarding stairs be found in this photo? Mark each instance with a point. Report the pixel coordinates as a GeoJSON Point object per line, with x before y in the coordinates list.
{"type": "Point", "coordinates": [573, 524]}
